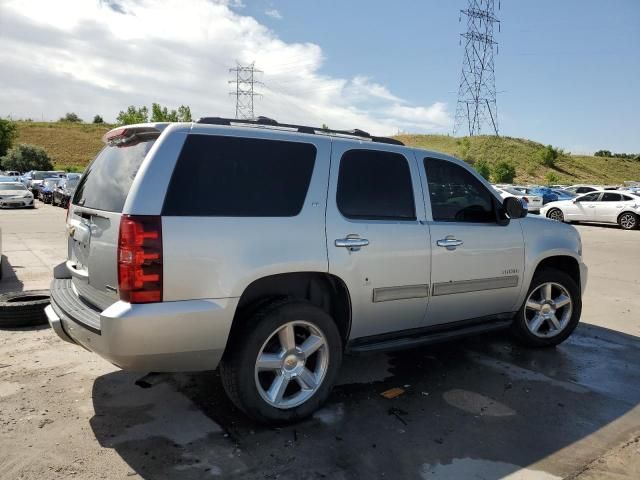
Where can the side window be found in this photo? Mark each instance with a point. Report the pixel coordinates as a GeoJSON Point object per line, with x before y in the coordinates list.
{"type": "Point", "coordinates": [592, 197]}
{"type": "Point", "coordinates": [456, 195]}
{"type": "Point", "coordinates": [611, 197]}
{"type": "Point", "coordinates": [375, 185]}
{"type": "Point", "coordinates": [219, 176]}
{"type": "Point", "coordinates": [625, 198]}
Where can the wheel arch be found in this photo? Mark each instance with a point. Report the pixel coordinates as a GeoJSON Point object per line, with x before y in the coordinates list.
{"type": "Point", "coordinates": [321, 289]}
{"type": "Point", "coordinates": [565, 263]}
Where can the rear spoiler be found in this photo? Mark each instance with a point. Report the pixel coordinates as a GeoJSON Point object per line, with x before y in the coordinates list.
{"type": "Point", "coordinates": [128, 133]}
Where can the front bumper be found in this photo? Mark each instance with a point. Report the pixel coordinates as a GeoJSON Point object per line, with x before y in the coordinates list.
{"type": "Point", "coordinates": [16, 202]}
{"type": "Point", "coordinates": [161, 337]}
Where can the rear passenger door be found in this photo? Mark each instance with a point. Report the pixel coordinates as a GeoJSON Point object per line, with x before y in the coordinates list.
{"type": "Point", "coordinates": [376, 237]}
{"type": "Point", "coordinates": [476, 263]}
{"type": "Point", "coordinates": [609, 207]}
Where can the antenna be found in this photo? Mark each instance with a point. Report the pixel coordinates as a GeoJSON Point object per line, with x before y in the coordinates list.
{"type": "Point", "coordinates": [244, 93]}
{"type": "Point", "coordinates": [476, 109]}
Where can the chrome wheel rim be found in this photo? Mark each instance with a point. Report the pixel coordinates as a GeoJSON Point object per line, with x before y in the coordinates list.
{"type": "Point", "coordinates": [291, 364]}
{"type": "Point", "coordinates": [556, 215]}
{"type": "Point", "coordinates": [548, 310]}
{"type": "Point", "coordinates": [628, 221]}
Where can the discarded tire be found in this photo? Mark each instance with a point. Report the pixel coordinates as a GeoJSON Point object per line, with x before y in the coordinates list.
{"type": "Point", "coordinates": [23, 309]}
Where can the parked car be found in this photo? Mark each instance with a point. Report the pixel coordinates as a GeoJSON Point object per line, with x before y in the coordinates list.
{"type": "Point", "coordinates": [532, 203]}
{"type": "Point", "coordinates": [64, 190]}
{"type": "Point", "coordinates": [46, 188]}
{"type": "Point", "coordinates": [37, 177]}
{"type": "Point", "coordinates": [546, 193]}
{"type": "Point", "coordinates": [271, 251]}
{"type": "Point", "coordinates": [599, 206]}
{"type": "Point", "coordinates": [578, 189]}
{"type": "Point", "coordinates": [564, 195]}
{"type": "Point", "coordinates": [15, 194]}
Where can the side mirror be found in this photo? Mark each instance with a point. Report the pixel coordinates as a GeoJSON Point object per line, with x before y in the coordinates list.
{"type": "Point", "coordinates": [574, 200]}
{"type": "Point", "coordinates": [513, 207]}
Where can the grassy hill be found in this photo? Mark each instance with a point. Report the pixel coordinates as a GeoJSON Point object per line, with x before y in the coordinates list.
{"type": "Point", "coordinates": [524, 155]}
{"type": "Point", "coordinates": [72, 146]}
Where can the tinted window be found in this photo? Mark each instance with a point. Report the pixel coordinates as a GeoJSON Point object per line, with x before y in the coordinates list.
{"type": "Point", "coordinates": [107, 180]}
{"type": "Point", "coordinates": [375, 185]}
{"type": "Point", "coordinates": [456, 195]}
{"type": "Point", "coordinates": [240, 177]}
{"type": "Point", "coordinates": [626, 198]}
{"type": "Point", "coordinates": [611, 197]}
{"type": "Point", "coordinates": [592, 197]}
{"type": "Point", "coordinates": [584, 189]}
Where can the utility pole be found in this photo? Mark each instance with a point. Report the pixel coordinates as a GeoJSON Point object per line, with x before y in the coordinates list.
{"type": "Point", "coordinates": [476, 110]}
{"type": "Point", "coordinates": [245, 82]}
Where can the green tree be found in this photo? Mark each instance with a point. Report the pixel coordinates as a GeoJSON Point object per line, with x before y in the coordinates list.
{"type": "Point", "coordinates": [133, 115]}
{"type": "Point", "coordinates": [24, 157]}
{"type": "Point", "coordinates": [503, 172]}
{"type": "Point", "coordinates": [548, 156]}
{"type": "Point", "coordinates": [551, 178]}
{"type": "Point", "coordinates": [98, 119]}
{"type": "Point", "coordinates": [483, 168]}
{"type": "Point", "coordinates": [184, 114]}
{"type": "Point", "coordinates": [71, 118]}
{"type": "Point", "coordinates": [162, 114]}
{"type": "Point", "coordinates": [603, 153]}
{"type": "Point", "coordinates": [8, 134]}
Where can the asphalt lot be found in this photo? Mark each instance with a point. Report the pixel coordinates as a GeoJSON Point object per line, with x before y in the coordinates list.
{"type": "Point", "coordinates": [482, 408]}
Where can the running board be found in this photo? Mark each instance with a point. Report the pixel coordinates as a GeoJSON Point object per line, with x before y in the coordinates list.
{"type": "Point", "coordinates": [411, 339]}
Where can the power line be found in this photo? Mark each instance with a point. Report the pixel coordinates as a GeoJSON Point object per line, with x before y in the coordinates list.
{"type": "Point", "coordinates": [476, 109]}
{"type": "Point", "coordinates": [245, 93]}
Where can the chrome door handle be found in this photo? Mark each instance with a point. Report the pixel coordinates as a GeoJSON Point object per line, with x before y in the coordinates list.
{"type": "Point", "coordinates": [351, 242]}
{"type": "Point", "coordinates": [449, 243]}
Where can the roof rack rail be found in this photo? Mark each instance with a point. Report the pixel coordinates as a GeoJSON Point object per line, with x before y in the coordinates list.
{"type": "Point", "coordinates": [270, 122]}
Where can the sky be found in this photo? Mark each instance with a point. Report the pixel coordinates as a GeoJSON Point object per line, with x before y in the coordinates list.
{"type": "Point", "coordinates": [567, 73]}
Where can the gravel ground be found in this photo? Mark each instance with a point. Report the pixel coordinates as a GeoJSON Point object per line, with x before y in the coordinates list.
{"type": "Point", "coordinates": [480, 408]}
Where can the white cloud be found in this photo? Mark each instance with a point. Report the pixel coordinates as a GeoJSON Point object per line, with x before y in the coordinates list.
{"type": "Point", "coordinates": [99, 57]}
{"type": "Point", "coordinates": [273, 13]}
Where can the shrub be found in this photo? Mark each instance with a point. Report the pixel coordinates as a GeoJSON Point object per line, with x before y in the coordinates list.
{"type": "Point", "coordinates": [8, 134]}
{"type": "Point", "coordinates": [548, 156]}
{"type": "Point", "coordinates": [483, 168]}
{"type": "Point", "coordinates": [98, 119]}
{"type": "Point", "coordinates": [71, 118]}
{"type": "Point", "coordinates": [503, 172]}
{"type": "Point", "coordinates": [25, 157]}
{"type": "Point", "coordinates": [551, 178]}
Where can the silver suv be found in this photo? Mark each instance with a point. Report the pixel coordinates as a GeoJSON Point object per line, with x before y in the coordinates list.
{"type": "Point", "coordinates": [270, 250]}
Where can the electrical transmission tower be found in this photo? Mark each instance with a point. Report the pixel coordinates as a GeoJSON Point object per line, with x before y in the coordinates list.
{"type": "Point", "coordinates": [476, 108]}
{"type": "Point", "coordinates": [245, 82]}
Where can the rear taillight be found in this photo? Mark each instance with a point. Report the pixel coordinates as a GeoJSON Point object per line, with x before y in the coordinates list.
{"type": "Point", "coordinates": [140, 258]}
{"type": "Point", "coordinates": [525, 199]}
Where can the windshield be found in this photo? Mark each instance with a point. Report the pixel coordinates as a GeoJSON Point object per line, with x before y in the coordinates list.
{"type": "Point", "coordinates": [72, 183]}
{"type": "Point", "coordinates": [12, 187]}
{"type": "Point", "coordinates": [107, 180]}
{"type": "Point", "coordinates": [50, 182]}
{"type": "Point", "coordinates": [43, 175]}
{"type": "Point", "coordinates": [564, 193]}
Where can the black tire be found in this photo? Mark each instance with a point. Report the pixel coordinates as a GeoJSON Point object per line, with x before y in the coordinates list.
{"type": "Point", "coordinates": [237, 366]}
{"type": "Point", "coordinates": [557, 213]}
{"type": "Point", "coordinates": [519, 327]}
{"type": "Point", "coordinates": [628, 220]}
{"type": "Point", "coordinates": [23, 309]}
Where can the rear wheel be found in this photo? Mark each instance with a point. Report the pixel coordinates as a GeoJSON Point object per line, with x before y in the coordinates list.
{"type": "Point", "coordinates": [555, 214]}
{"type": "Point", "coordinates": [281, 365]}
{"type": "Point", "coordinates": [628, 220]}
{"type": "Point", "coordinates": [551, 310]}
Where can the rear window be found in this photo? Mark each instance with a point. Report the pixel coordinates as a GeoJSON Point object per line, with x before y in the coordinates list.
{"type": "Point", "coordinates": [240, 177]}
{"type": "Point", "coordinates": [107, 180]}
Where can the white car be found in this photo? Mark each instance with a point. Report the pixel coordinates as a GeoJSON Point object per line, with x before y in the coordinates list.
{"type": "Point", "coordinates": [600, 206]}
{"type": "Point", "coordinates": [533, 203]}
{"type": "Point", "coordinates": [15, 194]}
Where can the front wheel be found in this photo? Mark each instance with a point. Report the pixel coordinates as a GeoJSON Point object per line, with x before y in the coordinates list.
{"type": "Point", "coordinates": [281, 364]}
{"type": "Point", "coordinates": [551, 310]}
{"type": "Point", "coordinates": [555, 214]}
{"type": "Point", "coordinates": [628, 220]}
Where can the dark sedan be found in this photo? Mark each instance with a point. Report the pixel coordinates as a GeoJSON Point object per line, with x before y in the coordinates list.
{"type": "Point", "coordinates": [64, 191]}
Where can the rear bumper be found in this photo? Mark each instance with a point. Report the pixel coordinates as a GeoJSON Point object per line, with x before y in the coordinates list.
{"type": "Point", "coordinates": [162, 337]}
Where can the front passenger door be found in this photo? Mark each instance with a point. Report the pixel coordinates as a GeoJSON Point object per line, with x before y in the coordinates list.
{"type": "Point", "coordinates": [584, 208]}
{"type": "Point", "coordinates": [476, 264]}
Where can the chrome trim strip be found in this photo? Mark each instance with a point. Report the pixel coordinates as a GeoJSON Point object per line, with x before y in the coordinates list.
{"type": "Point", "coordinates": [403, 292]}
{"type": "Point", "coordinates": [466, 286]}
